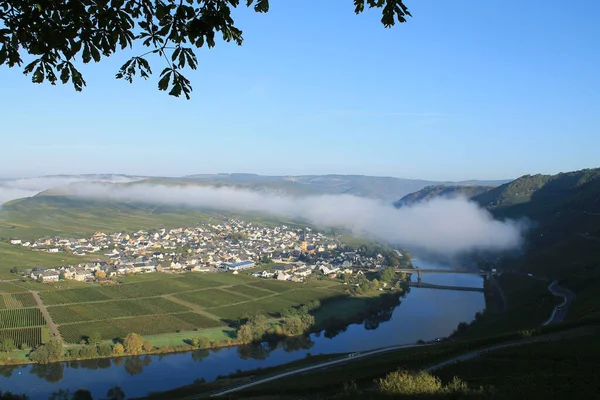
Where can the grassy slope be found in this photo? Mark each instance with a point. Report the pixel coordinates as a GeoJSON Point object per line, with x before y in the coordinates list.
{"type": "Point", "coordinates": [11, 256]}
{"type": "Point", "coordinates": [41, 215]}
{"type": "Point", "coordinates": [565, 369]}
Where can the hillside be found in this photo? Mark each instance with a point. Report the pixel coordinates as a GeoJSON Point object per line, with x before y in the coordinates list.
{"type": "Point", "coordinates": [385, 188]}
{"type": "Point", "coordinates": [59, 215]}
{"type": "Point", "coordinates": [431, 192]}
{"type": "Point", "coordinates": [563, 240]}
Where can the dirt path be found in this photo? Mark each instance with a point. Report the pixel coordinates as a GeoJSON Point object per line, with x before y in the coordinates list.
{"type": "Point", "coordinates": [44, 310]}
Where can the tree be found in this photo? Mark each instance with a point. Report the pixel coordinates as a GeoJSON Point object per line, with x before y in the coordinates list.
{"type": "Point", "coordinates": [201, 342]}
{"type": "Point", "coordinates": [133, 343]}
{"type": "Point", "coordinates": [94, 338]}
{"type": "Point", "coordinates": [62, 276]}
{"type": "Point", "coordinates": [7, 345]}
{"type": "Point", "coordinates": [105, 349]}
{"type": "Point", "coordinates": [387, 275]}
{"type": "Point", "coordinates": [147, 346]}
{"type": "Point", "coordinates": [56, 32]}
{"type": "Point", "coordinates": [100, 274]}
{"type": "Point", "coordinates": [40, 355]}
{"type": "Point", "coordinates": [118, 349]}
{"type": "Point", "coordinates": [55, 349]}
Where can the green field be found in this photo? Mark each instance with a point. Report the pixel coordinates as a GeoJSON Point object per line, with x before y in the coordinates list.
{"type": "Point", "coordinates": [22, 258]}
{"type": "Point", "coordinates": [212, 298]}
{"type": "Point", "coordinates": [146, 325]}
{"type": "Point", "coordinates": [274, 286]}
{"type": "Point", "coordinates": [249, 291]}
{"type": "Point", "coordinates": [20, 318]}
{"type": "Point", "coordinates": [56, 215]}
{"type": "Point", "coordinates": [29, 336]}
{"type": "Point", "coordinates": [16, 300]}
{"type": "Point", "coordinates": [113, 309]}
{"type": "Point", "coordinates": [170, 303]}
{"type": "Point", "coordinates": [9, 287]}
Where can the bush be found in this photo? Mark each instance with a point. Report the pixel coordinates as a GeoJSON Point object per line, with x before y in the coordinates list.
{"type": "Point", "coordinates": [147, 346]}
{"type": "Point", "coordinates": [118, 350]}
{"type": "Point", "coordinates": [105, 349]}
{"type": "Point", "coordinates": [405, 383]}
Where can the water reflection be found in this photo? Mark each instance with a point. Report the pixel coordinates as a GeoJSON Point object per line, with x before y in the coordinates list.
{"type": "Point", "coordinates": [49, 372]}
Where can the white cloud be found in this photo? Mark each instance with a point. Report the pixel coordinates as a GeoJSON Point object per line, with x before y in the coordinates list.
{"type": "Point", "coordinates": [446, 226]}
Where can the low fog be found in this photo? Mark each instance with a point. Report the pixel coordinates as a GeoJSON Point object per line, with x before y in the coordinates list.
{"type": "Point", "coordinates": [443, 226]}
{"type": "Point", "coordinates": [12, 189]}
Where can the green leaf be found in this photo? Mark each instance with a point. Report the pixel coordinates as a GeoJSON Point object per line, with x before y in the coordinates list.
{"type": "Point", "coordinates": [163, 83]}
{"type": "Point", "coordinates": [176, 90]}
{"type": "Point", "coordinates": [86, 56]}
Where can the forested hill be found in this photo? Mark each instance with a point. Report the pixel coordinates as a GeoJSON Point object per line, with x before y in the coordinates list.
{"type": "Point", "coordinates": [563, 239]}
{"type": "Point", "coordinates": [532, 195]}
{"type": "Point", "coordinates": [434, 191]}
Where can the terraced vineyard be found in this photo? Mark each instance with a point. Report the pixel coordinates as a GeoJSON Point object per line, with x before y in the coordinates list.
{"type": "Point", "coordinates": [23, 317]}
{"type": "Point", "coordinates": [16, 300]}
{"type": "Point", "coordinates": [30, 336]}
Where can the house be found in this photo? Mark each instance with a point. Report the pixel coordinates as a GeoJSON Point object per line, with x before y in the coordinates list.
{"type": "Point", "coordinates": [15, 241]}
{"type": "Point", "coordinates": [240, 266]}
{"type": "Point", "coordinates": [50, 275]}
{"type": "Point", "coordinates": [282, 276]}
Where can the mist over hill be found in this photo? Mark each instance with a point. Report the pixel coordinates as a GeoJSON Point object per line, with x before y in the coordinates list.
{"type": "Point", "coordinates": [384, 188]}
{"type": "Point", "coordinates": [431, 192]}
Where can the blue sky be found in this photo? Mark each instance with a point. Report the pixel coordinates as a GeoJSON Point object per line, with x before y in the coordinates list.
{"type": "Point", "coordinates": [473, 89]}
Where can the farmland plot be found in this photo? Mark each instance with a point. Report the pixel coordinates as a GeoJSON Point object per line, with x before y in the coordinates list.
{"type": "Point", "coordinates": [271, 305]}
{"type": "Point", "coordinates": [113, 309]}
{"type": "Point", "coordinates": [30, 336]}
{"type": "Point", "coordinates": [212, 297]}
{"type": "Point", "coordinates": [146, 325]}
{"type": "Point", "coordinates": [274, 286]}
{"type": "Point", "coordinates": [249, 291]}
{"type": "Point", "coordinates": [23, 317]}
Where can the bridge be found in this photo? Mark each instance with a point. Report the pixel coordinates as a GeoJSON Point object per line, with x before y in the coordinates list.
{"type": "Point", "coordinates": [441, 271]}
{"type": "Point", "coordinates": [420, 284]}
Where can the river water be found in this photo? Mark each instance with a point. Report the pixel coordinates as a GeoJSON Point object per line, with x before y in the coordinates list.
{"type": "Point", "coordinates": [423, 314]}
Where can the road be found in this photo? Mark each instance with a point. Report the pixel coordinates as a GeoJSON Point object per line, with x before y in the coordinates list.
{"type": "Point", "coordinates": [560, 311]}
{"type": "Point", "coordinates": [345, 359]}
{"type": "Point", "coordinates": [558, 314]}
{"type": "Point", "coordinates": [47, 317]}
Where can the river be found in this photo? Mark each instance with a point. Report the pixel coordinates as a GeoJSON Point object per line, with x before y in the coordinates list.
{"type": "Point", "coordinates": [423, 314]}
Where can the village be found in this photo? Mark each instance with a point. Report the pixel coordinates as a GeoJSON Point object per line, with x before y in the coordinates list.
{"type": "Point", "coordinates": [272, 252]}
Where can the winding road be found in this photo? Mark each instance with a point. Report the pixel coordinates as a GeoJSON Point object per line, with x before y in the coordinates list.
{"type": "Point", "coordinates": [558, 314]}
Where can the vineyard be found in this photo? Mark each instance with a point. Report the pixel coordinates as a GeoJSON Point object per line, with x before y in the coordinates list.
{"type": "Point", "coordinates": [113, 309]}
{"type": "Point", "coordinates": [213, 297]}
{"type": "Point", "coordinates": [16, 300]}
{"type": "Point", "coordinates": [146, 325]}
{"type": "Point", "coordinates": [158, 287]}
{"type": "Point", "coordinates": [7, 287]}
{"type": "Point", "coordinates": [31, 336]}
{"type": "Point", "coordinates": [275, 286]}
{"type": "Point", "coordinates": [23, 317]}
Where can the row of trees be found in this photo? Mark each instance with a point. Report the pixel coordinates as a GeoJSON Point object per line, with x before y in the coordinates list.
{"type": "Point", "coordinates": [53, 351]}
{"type": "Point", "coordinates": [295, 322]}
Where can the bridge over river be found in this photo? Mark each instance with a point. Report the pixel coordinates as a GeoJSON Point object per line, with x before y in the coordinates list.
{"type": "Point", "coordinates": [420, 284]}
{"type": "Point", "coordinates": [444, 287]}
